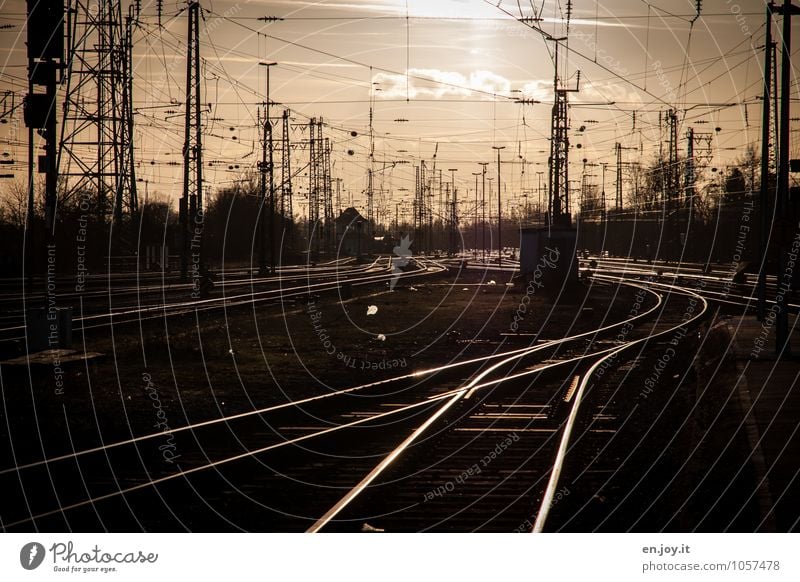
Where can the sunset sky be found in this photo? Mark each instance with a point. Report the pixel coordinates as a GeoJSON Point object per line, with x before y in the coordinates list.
{"type": "Point", "coordinates": [452, 68]}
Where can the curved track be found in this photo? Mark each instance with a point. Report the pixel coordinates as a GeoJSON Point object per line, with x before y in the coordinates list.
{"type": "Point", "coordinates": [386, 452]}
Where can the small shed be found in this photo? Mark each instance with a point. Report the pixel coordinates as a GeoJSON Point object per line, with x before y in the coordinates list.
{"type": "Point", "coordinates": [351, 236]}
{"type": "Point", "coordinates": [548, 255]}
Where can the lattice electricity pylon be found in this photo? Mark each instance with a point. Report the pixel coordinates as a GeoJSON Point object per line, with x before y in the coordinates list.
{"type": "Point", "coordinates": [559, 161]}
{"type": "Point", "coordinates": [453, 237]}
{"type": "Point", "coordinates": [286, 171]}
{"type": "Point", "coordinates": [127, 181]}
{"type": "Point", "coordinates": [773, 110]}
{"type": "Point", "coordinates": [313, 183]}
{"type": "Point", "coordinates": [419, 208]}
{"type": "Point", "coordinates": [9, 144]}
{"type": "Point", "coordinates": [92, 156]}
{"type": "Point", "coordinates": [698, 154]}
{"type": "Point", "coordinates": [558, 203]}
{"type": "Point", "coordinates": [672, 177]}
{"type": "Point", "coordinates": [191, 209]}
{"type": "Point", "coordinates": [618, 147]}
{"type": "Point", "coordinates": [327, 192]}
{"type": "Point", "coordinates": [618, 180]}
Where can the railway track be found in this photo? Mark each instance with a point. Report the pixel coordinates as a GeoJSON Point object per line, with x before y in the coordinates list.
{"type": "Point", "coordinates": [492, 456]}
{"type": "Point", "coordinates": [104, 295]}
{"type": "Point", "coordinates": [717, 287]}
{"type": "Point", "coordinates": [489, 464]}
{"type": "Point", "coordinates": [287, 289]}
{"type": "Point", "coordinates": [327, 428]}
{"type": "Point", "coordinates": [462, 447]}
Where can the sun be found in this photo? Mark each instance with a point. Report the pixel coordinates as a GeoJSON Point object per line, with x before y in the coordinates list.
{"type": "Point", "coordinates": [443, 8]}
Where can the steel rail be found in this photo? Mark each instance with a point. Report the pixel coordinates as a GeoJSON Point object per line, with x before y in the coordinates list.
{"type": "Point", "coordinates": [558, 464]}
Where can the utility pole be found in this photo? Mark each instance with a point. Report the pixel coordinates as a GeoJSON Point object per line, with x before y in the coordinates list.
{"type": "Point", "coordinates": [786, 225]}
{"type": "Point", "coordinates": [314, 156]}
{"type": "Point", "coordinates": [765, 155]}
{"type": "Point", "coordinates": [287, 212]}
{"type": "Point", "coordinates": [266, 170]}
{"type": "Point", "coordinates": [191, 210]}
{"type": "Point", "coordinates": [558, 207]}
{"type": "Point", "coordinates": [670, 196]}
{"type": "Point", "coordinates": [689, 178]}
{"type": "Point", "coordinates": [487, 225]}
{"type": "Point", "coordinates": [94, 144]}
{"type": "Point", "coordinates": [604, 165]}
{"type": "Point", "coordinates": [417, 210]}
{"type": "Point", "coordinates": [262, 198]}
{"type": "Point", "coordinates": [430, 204]}
{"type": "Point", "coordinates": [127, 179]}
{"type": "Point", "coordinates": [370, 217]}
{"type": "Point", "coordinates": [312, 187]}
{"type": "Point", "coordinates": [671, 186]}
{"type": "Point", "coordinates": [618, 185]}
{"type": "Point", "coordinates": [483, 207]}
{"type": "Point", "coordinates": [539, 201]}
{"type": "Point", "coordinates": [587, 202]}
{"type": "Point", "coordinates": [45, 52]}
{"type": "Point", "coordinates": [370, 206]}
{"type": "Point", "coordinates": [499, 211]}
{"type": "Point", "coordinates": [618, 147]}
{"type": "Point", "coordinates": [453, 212]}
{"type": "Point", "coordinates": [475, 225]}
{"type": "Point", "coordinates": [328, 192]}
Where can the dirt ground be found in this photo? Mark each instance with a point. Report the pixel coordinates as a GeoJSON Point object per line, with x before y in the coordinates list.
{"type": "Point", "coordinates": [162, 374]}
{"type": "Point", "coordinates": [165, 373]}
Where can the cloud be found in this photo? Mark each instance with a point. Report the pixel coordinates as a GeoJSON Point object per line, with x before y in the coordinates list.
{"type": "Point", "coordinates": [414, 8]}
{"type": "Point", "coordinates": [540, 90]}
{"type": "Point", "coordinates": [590, 91]}
{"type": "Point", "coordinates": [435, 83]}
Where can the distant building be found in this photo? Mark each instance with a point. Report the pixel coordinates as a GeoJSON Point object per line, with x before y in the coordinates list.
{"type": "Point", "coordinates": [351, 233]}
{"type": "Point", "coordinates": [548, 257]}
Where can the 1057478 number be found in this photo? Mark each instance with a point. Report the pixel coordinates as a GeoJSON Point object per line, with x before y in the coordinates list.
{"type": "Point", "coordinates": [753, 565]}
